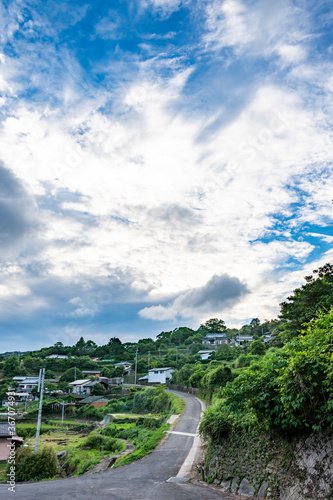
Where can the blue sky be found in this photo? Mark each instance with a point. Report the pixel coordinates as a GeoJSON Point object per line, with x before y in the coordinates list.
{"type": "Point", "coordinates": [162, 162]}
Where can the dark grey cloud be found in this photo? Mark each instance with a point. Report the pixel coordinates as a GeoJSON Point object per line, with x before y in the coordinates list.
{"type": "Point", "coordinates": [218, 293]}
{"type": "Point", "coordinates": [17, 217]}
{"type": "Point", "coordinates": [221, 292]}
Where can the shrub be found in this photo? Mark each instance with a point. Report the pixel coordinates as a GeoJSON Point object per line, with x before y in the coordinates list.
{"type": "Point", "coordinates": [32, 466]}
{"type": "Point", "coordinates": [216, 422]}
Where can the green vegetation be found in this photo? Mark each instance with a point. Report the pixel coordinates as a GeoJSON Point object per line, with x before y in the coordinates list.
{"type": "Point", "coordinates": [3, 470]}
{"type": "Point", "coordinates": [287, 390]}
{"type": "Point", "coordinates": [32, 466]}
{"type": "Point", "coordinates": [145, 440]}
{"type": "Point", "coordinates": [83, 447]}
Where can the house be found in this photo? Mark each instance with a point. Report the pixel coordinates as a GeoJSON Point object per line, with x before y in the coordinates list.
{"type": "Point", "coordinates": [96, 401]}
{"type": "Point", "coordinates": [9, 440]}
{"type": "Point", "coordinates": [26, 384]}
{"type": "Point", "coordinates": [57, 356]}
{"type": "Point", "coordinates": [159, 375]}
{"type": "Point", "coordinates": [116, 380]}
{"type": "Point", "coordinates": [127, 366]}
{"type": "Point", "coordinates": [241, 339]}
{"type": "Point", "coordinates": [94, 373]}
{"type": "Point", "coordinates": [80, 386]}
{"type": "Point", "coordinates": [204, 355]}
{"type": "Point", "coordinates": [215, 339]}
{"type": "Point", "coordinates": [85, 386]}
{"type": "Point", "coordinates": [19, 398]}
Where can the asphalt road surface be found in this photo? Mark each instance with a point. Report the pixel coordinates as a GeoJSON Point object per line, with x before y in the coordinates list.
{"type": "Point", "coordinates": [144, 479]}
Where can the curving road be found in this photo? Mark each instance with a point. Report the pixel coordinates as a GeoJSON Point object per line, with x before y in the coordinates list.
{"type": "Point", "coordinates": [144, 479]}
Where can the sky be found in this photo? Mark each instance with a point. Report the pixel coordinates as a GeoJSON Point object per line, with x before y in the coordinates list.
{"type": "Point", "coordinates": [162, 162]}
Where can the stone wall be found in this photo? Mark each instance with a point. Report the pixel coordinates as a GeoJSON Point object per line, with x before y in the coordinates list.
{"type": "Point", "coordinates": [263, 466]}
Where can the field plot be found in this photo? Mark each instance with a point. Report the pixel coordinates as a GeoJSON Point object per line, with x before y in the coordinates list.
{"type": "Point", "coordinates": [58, 440]}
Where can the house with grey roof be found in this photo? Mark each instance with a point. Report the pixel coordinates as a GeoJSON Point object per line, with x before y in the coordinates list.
{"type": "Point", "coordinates": [215, 339]}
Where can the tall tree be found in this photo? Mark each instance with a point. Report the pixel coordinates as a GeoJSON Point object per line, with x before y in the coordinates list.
{"type": "Point", "coordinates": [214, 325]}
{"type": "Point", "coordinates": [307, 301]}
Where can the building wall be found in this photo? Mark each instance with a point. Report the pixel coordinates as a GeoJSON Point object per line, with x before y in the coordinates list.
{"type": "Point", "coordinates": [4, 449]}
{"type": "Point", "coordinates": [97, 405]}
{"type": "Point", "coordinates": [159, 378]}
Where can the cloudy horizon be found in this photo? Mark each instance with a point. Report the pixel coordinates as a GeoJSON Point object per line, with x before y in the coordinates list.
{"type": "Point", "coordinates": [162, 162]}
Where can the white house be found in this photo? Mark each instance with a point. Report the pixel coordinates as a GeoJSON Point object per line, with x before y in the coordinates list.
{"type": "Point", "coordinates": [81, 386]}
{"type": "Point", "coordinates": [204, 355]}
{"type": "Point", "coordinates": [159, 375]}
{"type": "Point", "coordinates": [57, 356]}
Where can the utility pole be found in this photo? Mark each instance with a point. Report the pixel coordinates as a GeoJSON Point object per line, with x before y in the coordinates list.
{"type": "Point", "coordinates": [62, 413]}
{"type": "Point", "coordinates": [148, 360]}
{"type": "Point", "coordinates": [136, 365]}
{"type": "Point", "coordinates": [41, 392]}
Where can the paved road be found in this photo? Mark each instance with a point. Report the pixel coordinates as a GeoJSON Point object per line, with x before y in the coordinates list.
{"type": "Point", "coordinates": [144, 479]}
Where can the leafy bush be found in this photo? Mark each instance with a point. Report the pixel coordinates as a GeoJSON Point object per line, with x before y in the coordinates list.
{"type": "Point", "coordinates": [149, 423]}
{"type": "Point", "coordinates": [216, 423]}
{"type": "Point", "coordinates": [98, 441]}
{"type": "Point", "coordinates": [152, 399]}
{"type": "Point", "coordinates": [32, 466]}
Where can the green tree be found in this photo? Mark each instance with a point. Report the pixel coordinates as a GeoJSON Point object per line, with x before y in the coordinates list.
{"type": "Point", "coordinates": [116, 348]}
{"type": "Point", "coordinates": [257, 347]}
{"type": "Point", "coordinates": [11, 367]}
{"type": "Point", "coordinates": [69, 375]}
{"type": "Point", "coordinates": [214, 325]}
{"type": "Point", "coordinates": [98, 390]}
{"type": "Point", "coordinates": [301, 307]}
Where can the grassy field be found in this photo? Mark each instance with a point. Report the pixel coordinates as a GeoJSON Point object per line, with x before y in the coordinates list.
{"type": "Point", "coordinates": [58, 440]}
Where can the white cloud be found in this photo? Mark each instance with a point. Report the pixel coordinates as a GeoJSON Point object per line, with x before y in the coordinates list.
{"type": "Point", "coordinates": [258, 29]}
{"type": "Point", "coordinates": [163, 7]}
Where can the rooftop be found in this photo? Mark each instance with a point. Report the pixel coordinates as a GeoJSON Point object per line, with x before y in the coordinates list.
{"type": "Point", "coordinates": [94, 399]}
{"type": "Point", "coordinates": [5, 429]}
{"type": "Point", "coordinates": [80, 382]}
{"type": "Point", "coordinates": [215, 335]}
{"type": "Point", "coordinates": [154, 369]}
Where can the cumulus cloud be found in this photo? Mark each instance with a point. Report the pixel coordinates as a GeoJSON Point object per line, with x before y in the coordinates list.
{"type": "Point", "coordinates": [219, 293]}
